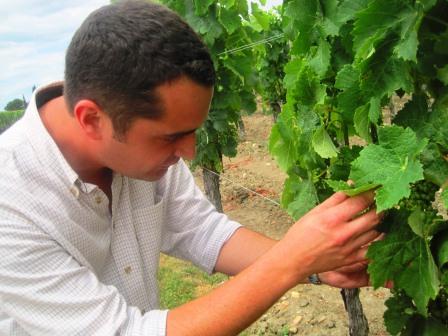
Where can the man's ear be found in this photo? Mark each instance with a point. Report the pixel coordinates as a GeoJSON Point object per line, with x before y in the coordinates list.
{"type": "Point", "coordinates": [91, 118]}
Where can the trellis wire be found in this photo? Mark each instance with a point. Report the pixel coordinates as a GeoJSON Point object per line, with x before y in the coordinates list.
{"type": "Point", "coordinates": [253, 44]}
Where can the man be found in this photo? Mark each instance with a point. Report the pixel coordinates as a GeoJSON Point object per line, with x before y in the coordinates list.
{"type": "Point", "coordinates": [94, 187]}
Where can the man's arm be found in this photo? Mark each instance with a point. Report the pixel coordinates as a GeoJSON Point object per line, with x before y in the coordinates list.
{"type": "Point", "coordinates": [241, 250]}
{"type": "Point", "coordinates": [329, 236]}
{"type": "Point", "coordinates": [246, 246]}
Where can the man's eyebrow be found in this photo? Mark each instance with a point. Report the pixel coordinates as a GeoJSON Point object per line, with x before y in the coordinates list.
{"type": "Point", "coordinates": [178, 135]}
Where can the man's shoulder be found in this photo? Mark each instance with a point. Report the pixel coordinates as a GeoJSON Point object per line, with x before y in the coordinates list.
{"type": "Point", "coordinates": [13, 146]}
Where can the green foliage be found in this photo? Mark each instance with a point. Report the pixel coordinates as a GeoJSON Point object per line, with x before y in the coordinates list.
{"type": "Point", "coordinates": [223, 27]}
{"type": "Point", "coordinates": [348, 58]}
{"type": "Point", "coordinates": [15, 104]}
{"type": "Point", "coordinates": [271, 56]}
{"type": "Point", "coordinates": [8, 118]}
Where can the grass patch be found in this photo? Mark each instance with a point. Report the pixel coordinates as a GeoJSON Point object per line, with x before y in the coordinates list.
{"type": "Point", "coordinates": [7, 118]}
{"type": "Point", "coordinates": [180, 282]}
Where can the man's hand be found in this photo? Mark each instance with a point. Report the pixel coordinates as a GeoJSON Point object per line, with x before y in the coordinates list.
{"type": "Point", "coordinates": [353, 276]}
{"type": "Point", "coordinates": [332, 235]}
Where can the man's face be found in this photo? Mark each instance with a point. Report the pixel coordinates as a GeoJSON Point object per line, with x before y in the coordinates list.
{"type": "Point", "coordinates": [149, 146]}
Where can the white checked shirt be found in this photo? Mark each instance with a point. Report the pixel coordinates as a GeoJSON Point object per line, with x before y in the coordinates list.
{"type": "Point", "coordinates": [68, 266]}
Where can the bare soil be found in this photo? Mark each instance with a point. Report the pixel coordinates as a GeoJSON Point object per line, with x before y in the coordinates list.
{"type": "Point", "coordinates": [306, 309]}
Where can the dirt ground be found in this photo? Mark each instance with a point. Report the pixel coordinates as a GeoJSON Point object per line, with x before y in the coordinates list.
{"type": "Point", "coordinates": [306, 309]}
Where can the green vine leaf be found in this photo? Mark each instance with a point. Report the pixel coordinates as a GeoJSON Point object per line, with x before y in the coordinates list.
{"type": "Point", "coordinates": [399, 257]}
{"type": "Point", "coordinates": [348, 58]}
{"type": "Point", "coordinates": [323, 144]}
{"type": "Point", "coordinates": [283, 149]}
{"type": "Point", "coordinates": [393, 164]}
{"type": "Point", "coordinates": [374, 24]}
{"type": "Point", "coordinates": [229, 20]}
{"type": "Point", "coordinates": [321, 60]}
{"type": "Point", "coordinates": [399, 312]}
{"type": "Point", "coordinates": [305, 198]}
{"type": "Point", "coordinates": [361, 121]}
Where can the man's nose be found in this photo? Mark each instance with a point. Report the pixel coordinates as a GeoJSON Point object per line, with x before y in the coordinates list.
{"type": "Point", "coordinates": [186, 148]}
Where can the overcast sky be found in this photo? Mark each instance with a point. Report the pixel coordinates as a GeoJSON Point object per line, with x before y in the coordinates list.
{"type": "Point", "coordinates": [33, 37]}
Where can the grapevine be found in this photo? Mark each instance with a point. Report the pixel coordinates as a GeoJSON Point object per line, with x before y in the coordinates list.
{"type": "Point", "coordinates": [348, 59]}
{"type": "Point", "coordinates": [223, 27]}
{"type": "Point", "coordinates": [271, 56]}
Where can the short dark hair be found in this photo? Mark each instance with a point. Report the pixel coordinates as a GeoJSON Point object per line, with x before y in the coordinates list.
{"type": "Point", "coordinates": [123, 51]}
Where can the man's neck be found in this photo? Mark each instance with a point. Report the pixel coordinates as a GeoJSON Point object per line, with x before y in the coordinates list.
{"type": "Point", "coordinates": [66, 133]}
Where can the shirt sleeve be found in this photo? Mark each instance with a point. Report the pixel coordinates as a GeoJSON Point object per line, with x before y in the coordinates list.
{"type": "Point", "coordinates": [194, 229]}
{"type": "Point", "coordinates": [45, 291]}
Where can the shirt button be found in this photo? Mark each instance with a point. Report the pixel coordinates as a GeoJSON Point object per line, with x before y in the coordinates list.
{"type": "Point", "coordinates": [128, 269]}
{"type": "Point", "coordinates": [98, 199]}
{"type": "Point", "coordinates": [75, 191]}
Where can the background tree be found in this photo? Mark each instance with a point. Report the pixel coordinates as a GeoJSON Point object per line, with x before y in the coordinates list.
{"type": "Point", "coordinates": [15, 104]}
{"type": "Point", "coordinates": [272, 56]}
{"type": "Point", "coordinates": [223, 27]}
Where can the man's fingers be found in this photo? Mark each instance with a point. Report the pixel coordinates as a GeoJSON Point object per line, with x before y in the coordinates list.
{"type": "Point", "coordinates": [364, 223]}
{"type": "Point", "coordinates": [365, 239]}
{"type": "Point", "coordinates": [359, 255]}
{"type": "Point", "coordinates": [356, 267]}
{"type": "Point", "coordinates": [389, 284]}
{"type": "Point", "coordinates": [350, 207]}
{"type": "Point", "coordinates": [330, 202]}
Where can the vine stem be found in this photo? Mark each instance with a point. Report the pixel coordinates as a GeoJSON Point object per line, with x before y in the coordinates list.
{"type": "Point", "coordinates": [374, 133]}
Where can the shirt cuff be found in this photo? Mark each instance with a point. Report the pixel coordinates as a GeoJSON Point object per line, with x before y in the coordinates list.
{"type": "Point", "coordinates": [220, 236]}
{"type": "Point", "coordinates": [151, 323]}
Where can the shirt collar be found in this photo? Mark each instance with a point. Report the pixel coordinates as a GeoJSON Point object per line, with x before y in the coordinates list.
{"type": "Point", "coordinates": [48, 153]}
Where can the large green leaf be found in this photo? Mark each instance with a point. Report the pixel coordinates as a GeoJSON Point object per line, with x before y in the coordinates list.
{"type": "Point", "coordinates": [261, 17]}
{"type": "Point", "coordinates": [305, 198]}
{"type": "Point", "coordinates": [347, 77]}
{"type": "Point", "coordinates": [407, 47]}
{"type": "Point", "coordinates": [382, 74]}
{"type": "Point", "coordinates": [362, 122]}
{"type": "Point", "coordinates": [400, 257]}
{"type": "Point", "coordinates": [393, 164]}
{"type": "Point", "coordinates": [374, 23]}
{"type": "Point", "coordinates": [283, 149]}
{"type": "Point", "coordinates": [230, 20]}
